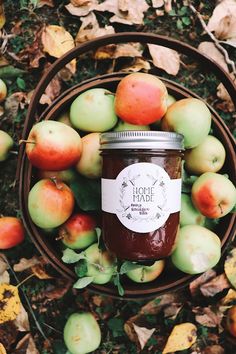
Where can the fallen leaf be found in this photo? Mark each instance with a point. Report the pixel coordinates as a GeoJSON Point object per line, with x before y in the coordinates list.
{"type": "Point", "coordinates": [168, 5]}
{"type": "Point", "coordinates": [172, 310]}
{"type": "Point", "coordinates": [165, 58]}
{"type": "Point", "coordinates": [58, 289]}
{"type": "Point", "coordinates": [42, 3]}
{"type": "Point", "coordinates": [157, 3]}
{"type": "Point", "coordinates": [208, 316]}
{"type": "Point", "coordinates": [90, 29]}
{"type": "Point", "coordinates": [27, 345]}
{"type": "Point", "coordinates": [137, 65]}
{"type": "Point", "coordinates": [4, 275]}
{"type": "Point", "coordinates": [2, 349]}
{"type": "Point", "coordinates": [215, 286]}
{"type": "Point", "coordinates": [183, 336]}
{"type": "Point", "coordinates": [143, 334]}
{"type": "Point", "coordinates": [40, 272]}
{"type": "Point", "coordinates": [195, 285]}
{"type": "Point", "coordinates": [8, 334]}
{"type": "Point", "coordinates": [25, 263]}
{"type": "Point", "coordinates": [52, 90]}
{"type": "Point", "coordinates": [125, 11]}
{"type": "Point", "coordinates": [210, 50]}
{"type": "Point", "coordinates": [229, 297]}
{"type": "Point", "coordinates": [160, 13]}
{"type": "Point", "coordinates": [213, 349]}
{"type": "Point", "coordinates": [114, 51]}
{"type": "Point", "coordinates": [33, 53]}
{"type": "Point", "coordinates": [156, 306]}
{"type": "Point", "coordinates": [57, 41]}
{"type": "Point", "coordinates": [9, 302]}
{"type": "Point", "coordinates": [2, 15]}
{"type": "Point", "coordinates": [223, 20]}
{"type": "Point", "coordinates": [227, 104]}
{"type": "Point", "coordinates": [22, 320]}
{"type": "Point", "coordinates": [230, 267]}
{"type": "Point", "coordinates": [81, 7]}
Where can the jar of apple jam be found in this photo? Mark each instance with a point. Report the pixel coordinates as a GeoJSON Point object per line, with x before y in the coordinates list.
{"type": "Point", "coordinates": [141, 193]}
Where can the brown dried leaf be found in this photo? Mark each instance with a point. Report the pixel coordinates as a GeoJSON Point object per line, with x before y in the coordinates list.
{"type": "Point", "coordinates": [173, 310]}
{"type": "Point", "coordinates": [53, 89]}
{"type": "Point", "coordinates": [81, 7]}
{"type": "Point", "coordinates": [230, 267]}
{"type": "Point", "coordinates": [4, 275]}
{"type": "Point", "coordinates": [125, 11]}
{"type": "Point", "coordinates": [2, 349]}
{"type": "Point", "coordinates": [27, 344]}
{"type": "Point", "coordinates": [213, 349]}
{"type": "Point", "coordinates": [58, 289]}
{"type": "Point", "coordinates": [25, 263]}
{"type": "Point", "coordinates": [156, 306]}
{"type": "Point", "coordinates": [137, 65]}
{"type": "Point", "coordinates": [2, 16]}
{"type": "Point", "coordinates": [229, 297]}
{"type": "Point", "coordinates": [195, 285]}
{"type": "Point", "coordinates": [22, 321]}
{"type": "Point", "coordinates": [210, 50]}
{"type": "Point", "coordinates": [215, 286]}
{"type": "Point", "coordinates": [33, 53]}
{"type": "Point", "coordinates": [42, 3]}
{"type": "Point", "coordinates": [183, 336]}
{"type": "Point", "coordinates": [114, 51]}
{"type": "Point", "coordinates": [90, 29]}
{"type": "Point", "coordinates": [227, 104]}
{"type": "Point", "coordinates": [165, 58]}
{"type": "Point", "coordinates": [157, 3]}
{"type": "Point", "coordinates": [208, 316]}
{"type": "Point", "coordinates": [8, 334]}
{"type": "Point", "coordinates": [143, 334]}
{"type": "Point", "coordinates": [57, 41]}
{"type": "Point", "coordinates": [223, 20]}
{"type": "Point", "coordinates": [40, 272]}
{"type": "Point", "coordinates": [168, 5]}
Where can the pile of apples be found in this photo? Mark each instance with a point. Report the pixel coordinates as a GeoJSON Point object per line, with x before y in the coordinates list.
{"type": "Point", "coordinates": [141, 102]}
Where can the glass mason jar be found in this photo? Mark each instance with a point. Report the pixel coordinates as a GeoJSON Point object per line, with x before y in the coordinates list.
{"type": "Point", "coordinates": [141, 193]}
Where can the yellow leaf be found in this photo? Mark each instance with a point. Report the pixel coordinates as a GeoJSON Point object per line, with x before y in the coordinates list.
{"type": "Point", "coordinates": [56, 42]}
{"type": "Point", "coordinates": [229, 297]}
{"type": "Point", "coordinates": [183, 336]}
{"type": "Point", "coordinates": [9, 302]}
{"type": "Point", "coordinates": [230, 267]}
{"type": "Point", "coordinates": [2, 349]}
{"type": "Point", "coordinates": [2, 15]}
{"type": "Point", "coordinates": [40, 272]}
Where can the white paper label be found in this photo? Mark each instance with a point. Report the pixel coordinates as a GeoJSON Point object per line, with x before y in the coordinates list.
{"type": "Point", "coordinates": [142, 196]}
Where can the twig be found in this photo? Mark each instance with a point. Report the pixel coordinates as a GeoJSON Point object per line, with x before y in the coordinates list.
{"type": "Point", "coordinates": [215, 40]}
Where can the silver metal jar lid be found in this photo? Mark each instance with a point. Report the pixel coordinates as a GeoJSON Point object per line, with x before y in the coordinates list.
{"type": "Point", "coordinates": [137, 139]}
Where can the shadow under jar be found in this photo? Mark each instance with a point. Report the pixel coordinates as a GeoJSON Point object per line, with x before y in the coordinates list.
{"type": "Point", "coordinates": [141, 193]}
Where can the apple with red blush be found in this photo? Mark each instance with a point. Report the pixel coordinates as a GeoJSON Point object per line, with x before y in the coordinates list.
{"type": "Point", "coordinates": [12, 232]}
{"type": "Point", "coordinates": [145, 273]}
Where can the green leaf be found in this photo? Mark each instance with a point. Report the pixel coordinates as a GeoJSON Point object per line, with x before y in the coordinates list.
{"type": "Point", "coordinates": [172, 13]}
{"type": "Point", "coordinates": [87, 193]}
{"type": "Point", "coordinates": [7, 72]}
{"type": "Point", "coordinates": [83, 282]}
{"type": "Point", "coordinates": [20, 83]}
{"type": "Point", "coordinates": [127, 266]}
{"type": "Point", "coordinates": [70, 256]}
{"type": "Point", "coordinates": [179, 24]}
{"type": "Point", "coordinates": [81, 268]}
{"type": "Point", "coordinates": [116, 325]}
{"type": "Point", "coordinates": [183, 11]}
{"type": "Point", "coordinates": [116, 281]}
{"type": "Point", "coordinates": [186, 21]}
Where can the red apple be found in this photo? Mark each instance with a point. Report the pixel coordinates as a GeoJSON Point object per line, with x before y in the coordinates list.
{"type": "Point", "coordinates": [141, 99]}
{"type": "Point", "coordinates": [11, 232]}
{"type": "Point", "coordinates": [78, 232]}
{"type": "Point", "coordinates": [52, 145]}
{"type": "Point", "coordinates": [213, 194]}
{"type": "Point", "coordinates": [50, 203]}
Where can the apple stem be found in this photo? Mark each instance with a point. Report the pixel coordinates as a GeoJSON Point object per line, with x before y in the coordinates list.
{"type": "Point", "coordinates": [221, 210]}
{"type": "Point", "coordinates": [109, 93]}
{"type": "Point", "coordinates": [54, 180]}
{"type": "Point", "coordinates": [24, 280]}
{"type": "Point", "coordinates": [26, 141]}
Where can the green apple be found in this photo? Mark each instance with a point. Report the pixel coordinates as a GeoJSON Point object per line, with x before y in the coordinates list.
{"type": "Point", "coordinates": [197, 250]}
{"type": "Point", "coordinates": [93, 111]}
{"type": "Point", "coordinates": [90, 163]}
{"type": "Point", "coordinates": [213, 194]}
{"type": "Point", "coordinates": [6, 143]}
{"type": "Point", "coordinates": [170, 100]}
{"type": "Point", "coordinates": [3, 90]}
{"type": "Point", "coordinates": [65, 118]}
{"type": "Point", "coordinates": [189, 215]}
{"type": "Point", "coordinates": [190, 117]}
{"type": "Point", "coordinates": [123, 126]}
{"type": "Point", "coordinates": [209, 156]}
{"type": "Point", "coordinates": [146, 274]}
{"type": "Point", "coordinates": [82, 333]}
{"type": "Point", "coordinates": [67, 176]}
{"type": "Point", "coordinates": [100, 264]}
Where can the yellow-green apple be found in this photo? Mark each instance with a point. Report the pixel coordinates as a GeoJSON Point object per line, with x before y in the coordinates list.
{"type": "Point", "coordinates": [208, 156]}
{"type": "Point", "coordinates": [123, 126]}
{"type": "Point", "coordinates": [3, 90]}
{"type": "Point", "coordinates": [66, 176]}
{"type": "Point", "coordinates": [93, 111]}
{"type": "Point", "coordinates": [170, 100]}
{"type": "Point", "coordinates": [213, 194]}
{"type": "Point", "coordinates": [52, 145]}
{"type": "Point", "coordinates": [90, 163]}
{"type": "Point", "coordinates": [82, 333]}
{"type": "Point", "coordinates": [231, 321]}
{"type": "Point", "coordinates": [197, 250]}
{"type": "Point", "coordinates": [190, 117]}
{"type": "Point", "coordinates": [6, 143]}
{"type": "Point", "coordinates": [100, 264]}
{"type": "Point", "coordinates": [189, 215]}
{"type": "Point", "coordinates": [65, 118]}
{"type": "Point", "coordinates": [12, 232]}
{"type": "Point", "coordinates": [146, 273]}
{"type": "Point", "coordinates": [50, 203]}
{"type": "Point", "coordinates": [141, 99]}
{"type": "Point", "coordinates": [78, 231]}
{"type": "Point", "coordinates": [157, 124]}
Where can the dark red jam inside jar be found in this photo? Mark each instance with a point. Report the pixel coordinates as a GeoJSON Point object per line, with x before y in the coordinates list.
{"type": "Point", "coordinates": [141, 193]}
